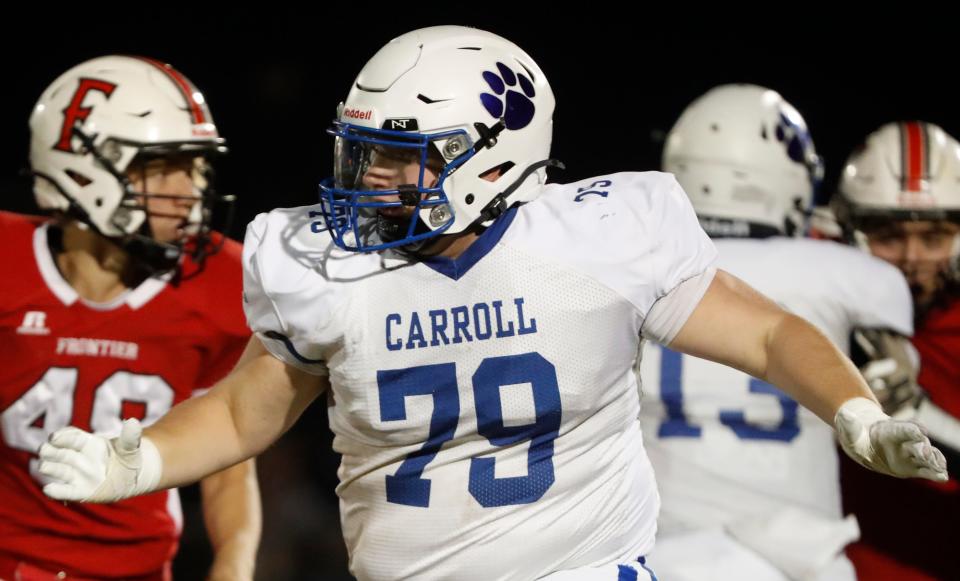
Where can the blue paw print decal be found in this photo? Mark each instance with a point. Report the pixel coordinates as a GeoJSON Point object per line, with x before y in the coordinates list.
{"type": "Point", "coordinates": [795, 139]}
{"type": "Point", "coordinates": [507, 102]}
{"type": "Point", "coordinates": [799, 147]}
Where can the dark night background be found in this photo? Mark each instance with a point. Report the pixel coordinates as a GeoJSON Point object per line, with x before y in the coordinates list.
{"type": "Point", "coordinates": [273, 76]}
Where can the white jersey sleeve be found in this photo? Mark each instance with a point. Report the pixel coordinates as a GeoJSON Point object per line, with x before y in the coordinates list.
{"type": "Point", "coordinates": [671, 311]}
{"type": "Point", "coordinates": [637, 234]}
{"type": "Point", "coordinates": [681, 250]}
{"type": "Point", "coordinates": [682, 264]}
{"type": "Point", "coordinates": [288, 304]}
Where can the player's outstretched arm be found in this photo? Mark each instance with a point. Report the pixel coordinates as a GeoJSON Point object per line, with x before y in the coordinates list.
{"type": "Point", "coordinates": [237, 419]}
{"type": "Point", "coordinates": [737, 326]}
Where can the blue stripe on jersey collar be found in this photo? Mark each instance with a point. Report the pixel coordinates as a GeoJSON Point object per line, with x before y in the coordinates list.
{"type": "Point", "coordinates": [457, 267]}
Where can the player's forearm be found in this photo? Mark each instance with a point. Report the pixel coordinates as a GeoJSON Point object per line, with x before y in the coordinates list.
{"type": "Point", "coordinates": [737, 326]}
{"type": "Point", "coordinates": [806, 365]}
{"type": "Point", "coordinates": [236, 420]}
{"type": "Point", "coordinates": [196, 438]}
{"type": "Point", "coordinates": [201, 436]}
{"type": "Point", "coordinates": [231, 510]}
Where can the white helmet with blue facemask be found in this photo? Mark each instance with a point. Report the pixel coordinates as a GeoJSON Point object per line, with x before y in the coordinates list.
{"type": "Point", "coordinates": [469, 98]}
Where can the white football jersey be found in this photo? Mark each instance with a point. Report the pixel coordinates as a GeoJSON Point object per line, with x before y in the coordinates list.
{"type": "Point", "coordinates": [486, 407]}
{"type": "Point", "coordinates": [727, 447]}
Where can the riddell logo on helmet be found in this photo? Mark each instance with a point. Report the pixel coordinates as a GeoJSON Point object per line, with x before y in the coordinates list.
{"type": "Point", "coordinates": [358, 114]}
{"type": "Point", "coordinates": [916, 200]}
{"type": "Point", "coordinates": [205, 130]}
{"type": "Point", "coordinates": [75, 111]}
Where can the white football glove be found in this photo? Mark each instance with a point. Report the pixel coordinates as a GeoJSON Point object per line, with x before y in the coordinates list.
{"type": "Point", "coordinates": [891, 371]}
{"type": "Point", "coordinates": [878, 442]}
{"type": "Point", "coordinates": [88, 468]}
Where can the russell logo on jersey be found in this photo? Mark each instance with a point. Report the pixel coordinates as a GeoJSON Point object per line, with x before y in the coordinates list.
{"type": "Point", "coordinates": [34, 323]}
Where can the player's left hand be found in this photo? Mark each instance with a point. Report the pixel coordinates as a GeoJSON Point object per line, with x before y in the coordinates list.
{"type": "Point", "coordinates": [86, 467]}
{"type": "Point", "coordinates": [878, 442]}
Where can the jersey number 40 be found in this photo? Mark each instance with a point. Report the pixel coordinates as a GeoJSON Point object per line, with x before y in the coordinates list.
{"type": "Point", "coordinates": [48, 406]}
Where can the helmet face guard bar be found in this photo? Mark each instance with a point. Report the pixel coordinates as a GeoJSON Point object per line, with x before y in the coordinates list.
{"type": "Point", "coordinates": [870, 218]}
{"type": "Point", "coordinates": [159, 257]}
{"type": "Point", "coordinates": [347, 206]}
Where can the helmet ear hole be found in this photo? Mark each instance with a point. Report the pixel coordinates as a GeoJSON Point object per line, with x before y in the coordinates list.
{"type": "Point", "coordinates": [81, 180]}
{"type": "Point", "coordinates": [494, 173]}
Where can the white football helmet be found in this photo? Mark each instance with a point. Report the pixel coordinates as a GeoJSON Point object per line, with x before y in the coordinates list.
{"type": "Point", "coordinates": [474, 99]}
{"type": "Point", "coordinates": [93, 121]}
{"type": "Point", "coordinates": [746, 160]}
{"type": "Point", "coordinates": [903, 171]}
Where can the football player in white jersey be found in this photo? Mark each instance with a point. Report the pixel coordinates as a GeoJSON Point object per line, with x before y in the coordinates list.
{"type": "Point", "coordinates": [474, 332]}
{"type": "Point", "coordinates": [749, 481]}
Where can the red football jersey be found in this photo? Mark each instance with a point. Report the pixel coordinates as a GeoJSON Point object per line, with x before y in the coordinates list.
{"type": "Point", "coordinates": [66, 361]}
{"type": "Point", "coordinates": [938, 342]}
{"type": "Point", "coordinates": [908, 526]}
